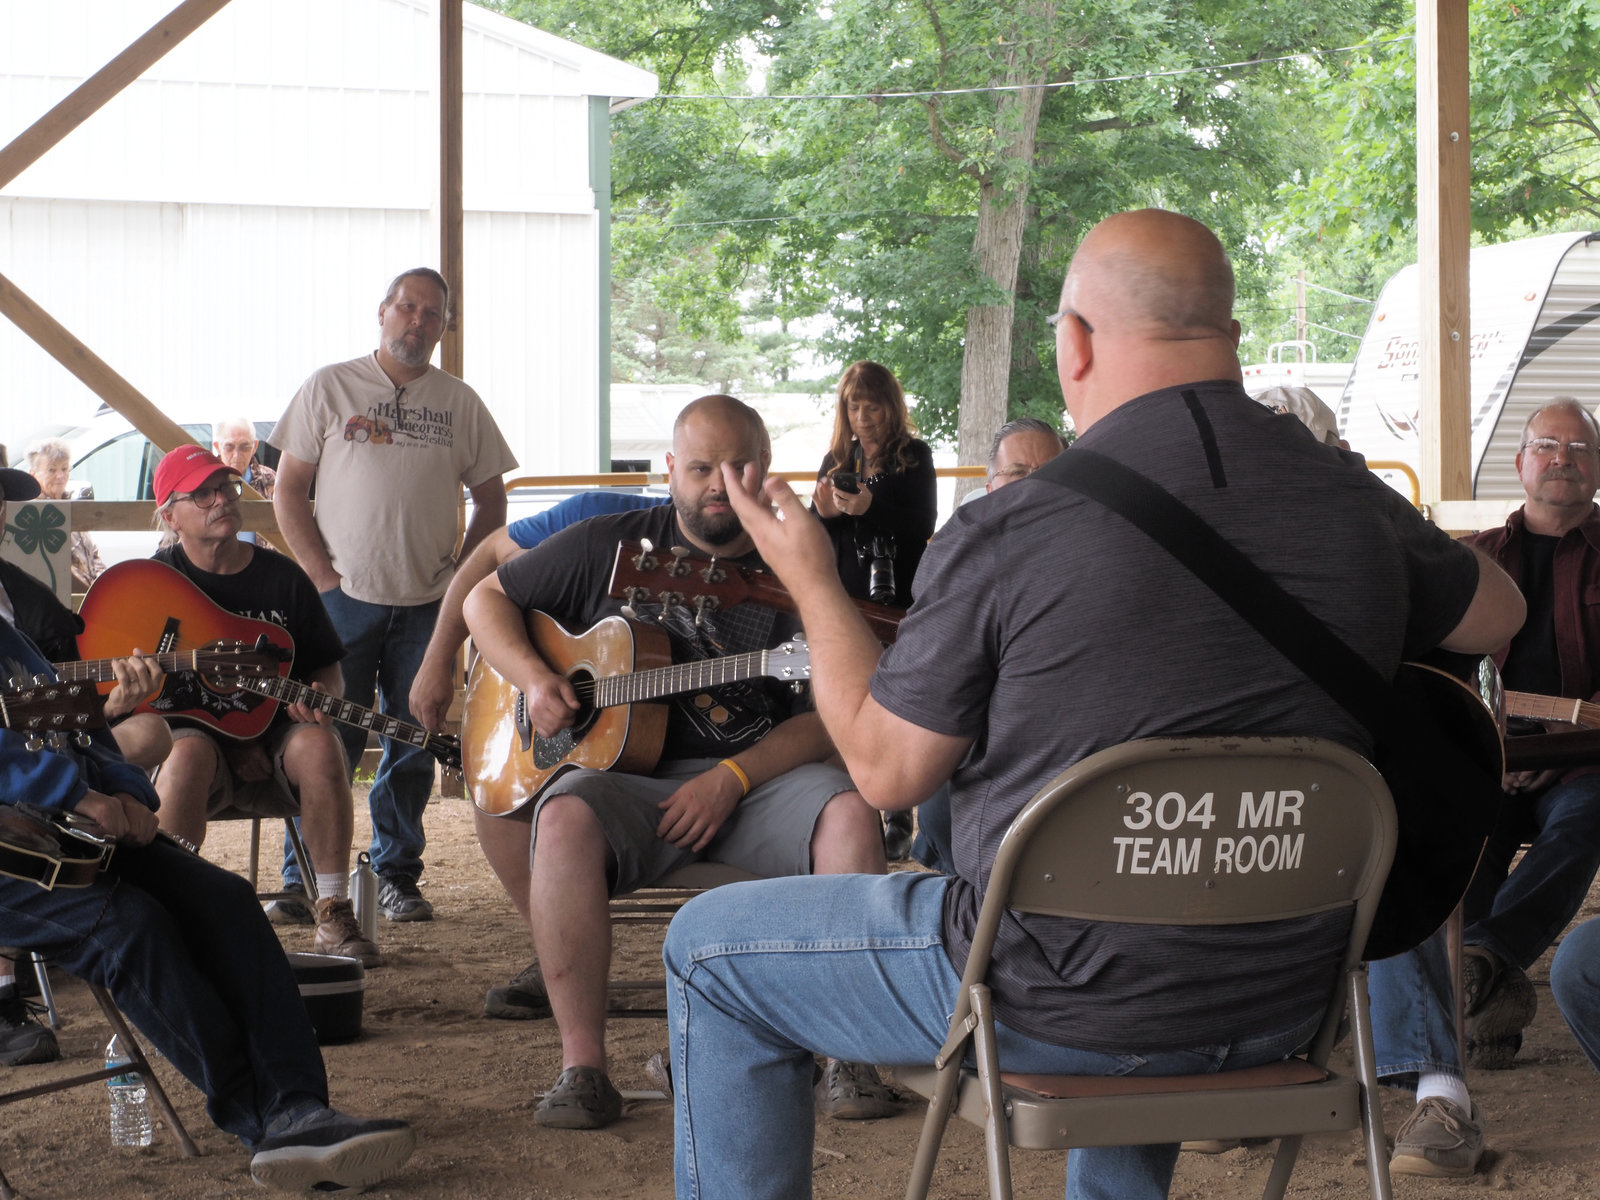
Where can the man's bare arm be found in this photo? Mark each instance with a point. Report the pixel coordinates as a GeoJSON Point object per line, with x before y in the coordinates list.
{"type": "Point", "coordinates": [894, 763]}
{"type": "Point", "coordinates": [1494, 616]}
{"type": "Point", "coordinates": [500, 631]}
{"type": "Point", "coordinates": [291, 503]}
{"type": "Point", "coordinates": [488, 514]}
{"type": "Point", "coordinates": [434, 686]}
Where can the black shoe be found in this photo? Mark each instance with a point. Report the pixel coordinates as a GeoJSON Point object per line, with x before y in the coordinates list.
{"type": "Point", "coordinates": [897, 835]}
{"type": "Point", "coordinates": [521, 999]}
{"type": "Point", "coordinates": [23, 1039]}
{"type": "Point", "coordinates": [330, 1152]}
{"type": "Point", "coordinates": [399, 899]}
{"type": "Point", "coordinates": [291, 912]}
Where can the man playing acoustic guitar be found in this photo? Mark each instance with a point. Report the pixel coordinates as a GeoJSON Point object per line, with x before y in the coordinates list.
{"type": "Point", "coordinates": [197, 496]}
{"type": "Point", "coordinates": [742, 778]}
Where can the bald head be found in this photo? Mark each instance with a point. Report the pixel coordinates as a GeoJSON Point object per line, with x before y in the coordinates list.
{"type": "Point", "coordinates": [731, 413]}
{"type": "Point", "coordinates": [1156, 272]}
{"type": "Point", "coordinates": [1150, 303]}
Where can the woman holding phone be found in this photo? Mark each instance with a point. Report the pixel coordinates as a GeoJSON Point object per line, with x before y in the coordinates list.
{"type": "Point", "coordinates": [875, 489]}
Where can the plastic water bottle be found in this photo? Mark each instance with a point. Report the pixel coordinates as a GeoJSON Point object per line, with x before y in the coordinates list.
{"type": "Point", "coordinates": [130, 1113]}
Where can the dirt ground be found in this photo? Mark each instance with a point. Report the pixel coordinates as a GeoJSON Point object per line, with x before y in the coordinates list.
{"type": "Point", "coordinates": [427, 1054]}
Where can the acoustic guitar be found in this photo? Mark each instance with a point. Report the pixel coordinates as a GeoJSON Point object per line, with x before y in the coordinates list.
{"type": "Point", "coordinates": [204, 648]}
{"type": "Point", "coordinates": [678, 576]}
{"type": "Point", "coordinates": [237, 671]}
{"type": "Point", "coordinates": [617, 667]}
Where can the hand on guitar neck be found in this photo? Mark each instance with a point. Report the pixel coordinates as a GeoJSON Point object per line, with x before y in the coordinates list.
{"type": "Point", "coordinates": [120, 817]}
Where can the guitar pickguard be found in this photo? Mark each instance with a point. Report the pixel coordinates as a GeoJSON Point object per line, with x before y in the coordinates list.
{"type": "Point", "coordinates": [549, 751]}
{"type": "Point", "coordinates": [183, 693]}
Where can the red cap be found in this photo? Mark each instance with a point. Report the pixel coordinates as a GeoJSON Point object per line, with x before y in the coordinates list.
{"type": "Point", "coordinates": [184, 469]}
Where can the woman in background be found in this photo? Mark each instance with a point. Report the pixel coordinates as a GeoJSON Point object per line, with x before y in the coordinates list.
{"type": "Point", "coordinates": [875, 489]}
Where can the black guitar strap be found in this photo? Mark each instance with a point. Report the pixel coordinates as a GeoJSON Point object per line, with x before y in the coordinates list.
{"type": "Point", "coordinates": [1456, 797]}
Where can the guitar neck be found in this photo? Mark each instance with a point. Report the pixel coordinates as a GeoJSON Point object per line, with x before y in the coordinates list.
{"type": "Point", "coordinates": [98, 670]}
{"type": "Point", "coordinates": [291, 691]}
{"type": "Point", "coordinates": [1553, 708]}
{"type": "Point", "coordinates": [614, 690]}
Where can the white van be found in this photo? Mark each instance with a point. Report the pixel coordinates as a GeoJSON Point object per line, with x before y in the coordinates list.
{"type": "Point", "coordinates": [1535, 323]}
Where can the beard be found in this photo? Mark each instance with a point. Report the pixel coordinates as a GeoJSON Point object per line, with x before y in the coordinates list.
{"type": "Point", "coordinates": [712, 530]}
{"type": "Point", "coordinates": [408, 354]}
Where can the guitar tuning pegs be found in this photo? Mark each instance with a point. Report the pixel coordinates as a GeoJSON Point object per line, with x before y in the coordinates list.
{"type": "Point", "coordinates": [34, 743]}
{"type": "Point", "coordinates": [797, 687]}
{"type": "Point", "coordinates": [679, 567]}
{"type": "Point", "coordinates": [701, 604]}
{"type": "Point", "coordinates": [40, 680]}
{"type": "Point", "coordinates": [634, 596]}
{"type": "Point", "coordinates": [82, 740]}
{"type": "Point", "coordinates": [644, 560]}
{"type": "Point", "coordinates": [712, 572]}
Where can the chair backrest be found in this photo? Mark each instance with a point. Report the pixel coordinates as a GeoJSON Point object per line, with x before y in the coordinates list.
{"type": "Point", "coordinates": [1198, 831]}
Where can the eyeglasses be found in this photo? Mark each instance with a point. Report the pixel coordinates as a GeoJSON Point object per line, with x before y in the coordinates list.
{"type": "Point", "coordinates": [1545, 447]}
{"type": "Point", "coordinates": [1069, 312]}
{"type": "Point", "coordinates": [1015, 471]}
{"type": "Point", "coordinates": [205, 497]}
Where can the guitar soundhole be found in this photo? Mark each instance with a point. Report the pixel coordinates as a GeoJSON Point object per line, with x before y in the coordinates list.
{"type": "Point", "coordinates": [549, 752]}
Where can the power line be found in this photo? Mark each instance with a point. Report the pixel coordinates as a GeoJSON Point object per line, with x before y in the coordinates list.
{"type": "Point", "coordinates": [1027, 87]}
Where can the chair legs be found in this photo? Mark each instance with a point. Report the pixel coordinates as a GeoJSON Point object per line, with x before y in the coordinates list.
{"type": "Point", "coordinates": [308, 877]}
{"type": "Point", "coordinates": [46, 993]}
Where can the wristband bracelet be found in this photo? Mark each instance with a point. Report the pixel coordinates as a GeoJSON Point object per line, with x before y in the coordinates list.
{"type": "Point", "coordinates": [738, 773]}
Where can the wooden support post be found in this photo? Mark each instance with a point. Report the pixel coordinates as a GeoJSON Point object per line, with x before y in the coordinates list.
{"type": "Point", "coordinates": [99, 378]}
{"type": "Point", "coordinates": [88, 97]}
{"type": "Point", "coordinates": [451, 255]}
{"type": "Point", "coordinates": [1443, 223]}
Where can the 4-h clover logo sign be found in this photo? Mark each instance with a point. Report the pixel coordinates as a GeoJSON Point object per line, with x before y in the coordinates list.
{"type": "Point", "coordinates": [39, 529]}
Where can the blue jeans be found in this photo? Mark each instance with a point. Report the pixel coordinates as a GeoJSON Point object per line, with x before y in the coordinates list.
{"type": "Point", "coordinates": [185, 951]}
{"type": "Point", "coordinates": [1520, 915]}
{"type": "Point", "coordinates": [383, 646]}
{"type": "Point", "coordinates": [1575, 983]}
{"type": "Point", "coordinates": [1412, 997]}
{"type": "Point", "coordinates": [932, 845]}
{"type": "Point", "coordinates": [762, 975]}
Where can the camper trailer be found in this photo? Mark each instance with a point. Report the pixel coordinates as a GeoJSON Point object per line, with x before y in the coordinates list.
{"type": "Point", "coordinates": [1535, 335]}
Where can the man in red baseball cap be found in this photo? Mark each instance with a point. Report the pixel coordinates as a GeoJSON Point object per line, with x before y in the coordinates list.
{"type": "Point", "coordinates": [197, 498]}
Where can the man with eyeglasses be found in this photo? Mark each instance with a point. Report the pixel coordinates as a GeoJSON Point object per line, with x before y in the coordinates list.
{"type": "Point", "coordinates": [1020, 448]}
{"type": "Point", "coordinates": [197, 498]}
{"type": "Point", "coordinates": [1551, 547]}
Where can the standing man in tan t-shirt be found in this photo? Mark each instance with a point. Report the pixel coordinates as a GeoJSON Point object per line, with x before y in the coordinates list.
{"type": "Point", "coordinates": [390, 440]}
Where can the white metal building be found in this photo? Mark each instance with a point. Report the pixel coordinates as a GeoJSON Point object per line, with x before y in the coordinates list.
{"type": "Point", "coordinates": [229, 222]}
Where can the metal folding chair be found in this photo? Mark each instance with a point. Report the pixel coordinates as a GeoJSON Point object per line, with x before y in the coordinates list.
{"type": "Point", "coordinates": [1060, 857]}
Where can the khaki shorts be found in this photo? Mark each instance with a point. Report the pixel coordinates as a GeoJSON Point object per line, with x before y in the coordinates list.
{"type": "Point", "coordinates": [769, 834]}
{"type": "Point", "coordinates": [271, 797]}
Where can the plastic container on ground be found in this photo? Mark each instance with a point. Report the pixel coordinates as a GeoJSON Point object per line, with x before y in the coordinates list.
{"type": "Point", "coordinates": [130, 1110]}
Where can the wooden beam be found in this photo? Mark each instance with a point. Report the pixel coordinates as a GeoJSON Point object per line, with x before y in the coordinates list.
{"type": "Point", "coordinates": [451, 255]}
{"type": "Point", "coordinates": [99, 378]}
{"type": "Point", "coordinates": [1443, 225]}
{"type": "Point", "coordinates": [88, 97]}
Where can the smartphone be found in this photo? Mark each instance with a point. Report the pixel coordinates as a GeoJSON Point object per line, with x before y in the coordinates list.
{"type": "Point", "coordinates": [846, 481]}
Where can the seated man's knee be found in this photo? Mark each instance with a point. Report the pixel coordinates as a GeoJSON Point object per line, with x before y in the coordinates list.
{"type": "Point", "coordinates": [567, 826]}
{"type": "Point", "coordinates": [314, 753]}
{"type": "Point", "coordinates": [848, 837]}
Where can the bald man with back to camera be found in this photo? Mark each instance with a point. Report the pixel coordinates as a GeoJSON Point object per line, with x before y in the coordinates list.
{"type": "Point", "coordinates": [1001, 687]}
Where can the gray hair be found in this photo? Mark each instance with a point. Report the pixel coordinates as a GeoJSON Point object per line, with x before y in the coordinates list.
{"type": "Point", "coordinates": [46, 451]}
{"type": "Point", "coordinates": [1570, 403]}
{"type": "Point", "coordinates": [1023, 425]}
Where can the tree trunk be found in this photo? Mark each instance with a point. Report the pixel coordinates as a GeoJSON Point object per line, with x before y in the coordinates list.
{"type": "Point", "coordinates": [997, 250]}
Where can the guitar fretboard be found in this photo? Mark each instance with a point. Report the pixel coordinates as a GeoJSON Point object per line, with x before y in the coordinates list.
{"type": "Point", "coordinates": [99, 670]}
{"type": "Point", "coordinates": [613, 690]}
{"type": "Point", "coordinates": [292, 692]}
{"type": "Point", "coordinates": [1553, 708]}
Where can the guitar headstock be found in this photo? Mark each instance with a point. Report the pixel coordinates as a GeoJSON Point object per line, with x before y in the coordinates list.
{"type": "Point", "coordinates": [645, 575]}
{"type": "Point", "coordinates": [790, 662]}
{"type": "Point", "coordinates": [226, 665]}
{"type": "Point", "coordinates": [44, 708]}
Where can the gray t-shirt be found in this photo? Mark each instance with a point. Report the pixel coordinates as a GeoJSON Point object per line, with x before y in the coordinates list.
{"type": "Point", "coordinates": [1047, 628]}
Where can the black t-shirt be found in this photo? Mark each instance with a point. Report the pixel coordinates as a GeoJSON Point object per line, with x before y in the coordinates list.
{"type": "Point", "coordinates": [1533, 663]}
{"type": "Point", "coordinates": [270, 588]}
{"type": "Point", "coordinates": [568, 575]}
